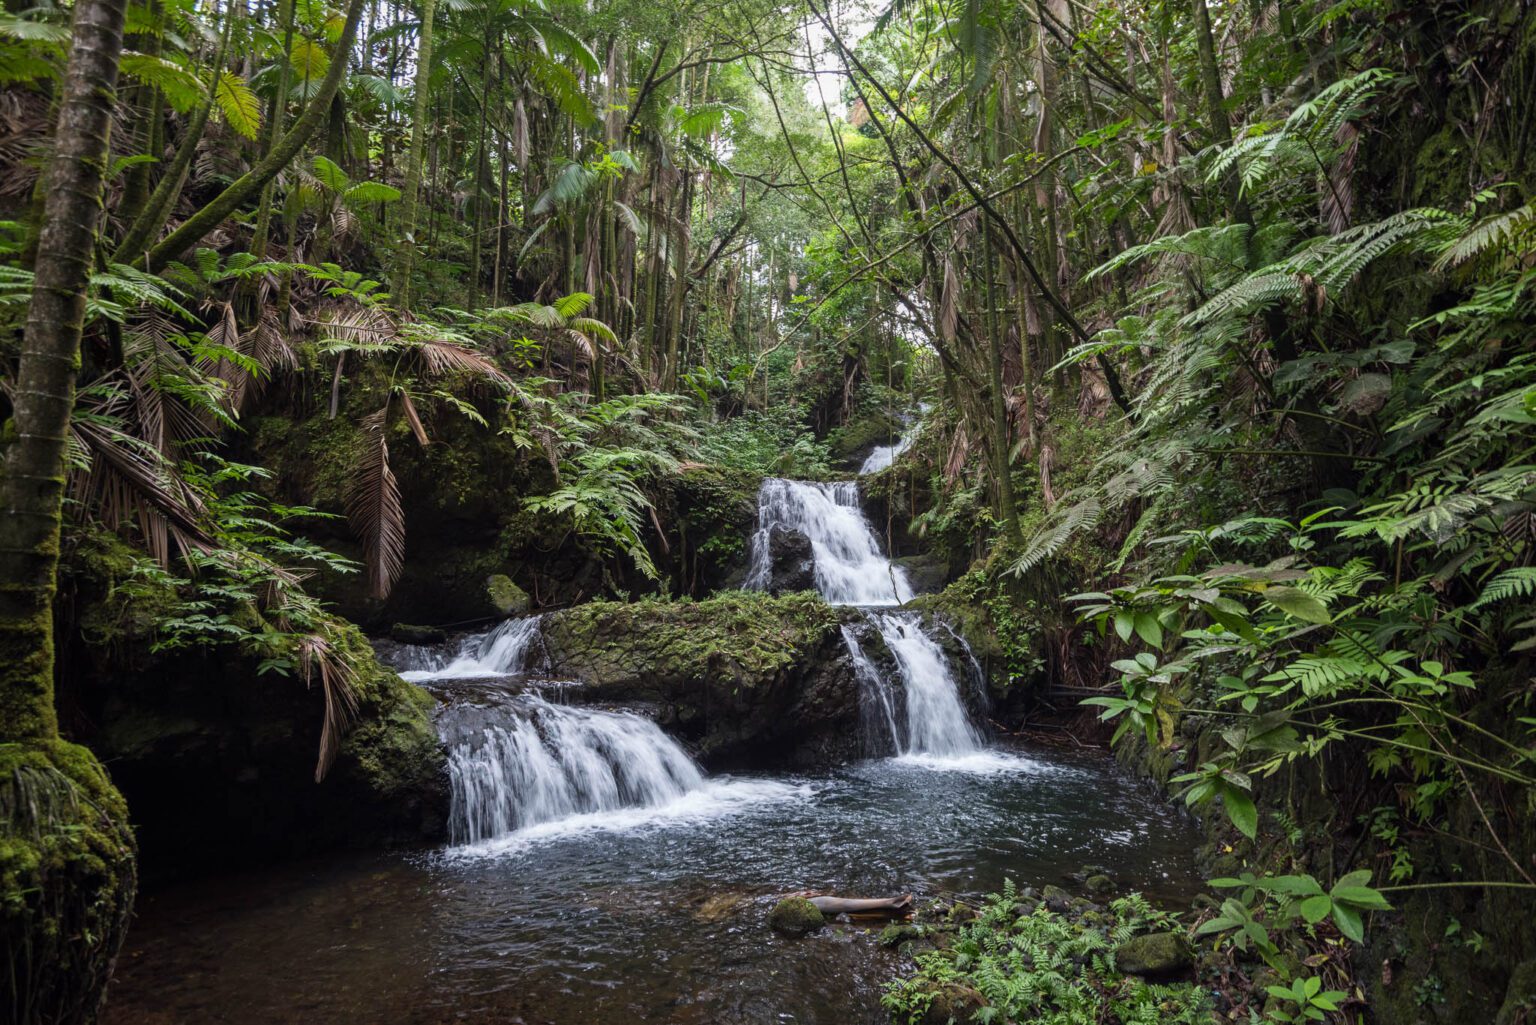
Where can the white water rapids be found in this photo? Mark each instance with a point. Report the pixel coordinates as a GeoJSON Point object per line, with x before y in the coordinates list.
{"type": "Point", "coordinates": [526, 767]}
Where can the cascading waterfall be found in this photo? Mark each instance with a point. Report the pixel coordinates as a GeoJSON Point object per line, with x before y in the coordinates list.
{"type": "Point", "coordinates": [503, 651]}
{"type": "Point", "coordinates": [927, 716]}
{"type": "Point", "coordinates": [547, 762]}
{"type": "Point", "coordinates": [849, 565]}
{"type": "Point", "coordinates": [936, 720]}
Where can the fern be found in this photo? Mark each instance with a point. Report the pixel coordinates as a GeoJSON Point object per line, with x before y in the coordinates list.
{"type": "Point", "coordinates": [1519, 582]}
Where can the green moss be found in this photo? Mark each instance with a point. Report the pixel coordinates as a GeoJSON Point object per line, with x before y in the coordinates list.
{"type": "Point", "coordinates": [795, 916]}
{"type": "Point", "coordinates": [507, 598]}
{"type": "Point", "coordinates": [858, 436]}
{"type": "Point", "coordinates": [745, 633]}
{"type": "Point", "coordinates": [67, 877]}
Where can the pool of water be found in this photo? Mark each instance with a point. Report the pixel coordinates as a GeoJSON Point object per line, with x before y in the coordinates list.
{"type": "Point", "coordinates": [650, 915]}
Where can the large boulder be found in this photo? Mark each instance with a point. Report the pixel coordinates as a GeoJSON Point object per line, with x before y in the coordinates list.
{"type": "Point", "coordinates": [791, 561]}
{"type": "Point", "coordinates": [747, 678]}
{"type": "Point", "coordinates": [217, 759]}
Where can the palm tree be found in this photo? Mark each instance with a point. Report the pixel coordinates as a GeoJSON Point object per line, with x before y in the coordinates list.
{"type": "Point", "coordinates": [66, 852]}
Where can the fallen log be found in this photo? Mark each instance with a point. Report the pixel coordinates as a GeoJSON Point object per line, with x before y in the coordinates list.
{"type": "Point", "coordinates": [862, 905]}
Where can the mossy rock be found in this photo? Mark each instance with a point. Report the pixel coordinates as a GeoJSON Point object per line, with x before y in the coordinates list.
{"type": "Point", "coordinates": [505, 596]}
{"type": "Point", "coordinates": [1154, 955]}
{"type": "Point", "coordinates": [408, 633]}
{"type": "Point", "coordinates": [1099, 884]}
{"type": "Point", "coordinates": [795, 916]}
{"type": "Point", "coordinates": [953, 1002]}
{"type": "Point", "coordinates": [67, 880]}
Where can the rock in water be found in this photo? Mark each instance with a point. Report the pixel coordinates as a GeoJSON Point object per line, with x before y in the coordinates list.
{"type": "Point", "coordinates": [1099, 884]}
{"type": "Point", "coordinates": [795, 916]}
{"type": "Point", "coordinates": [408, 633]}
{"type": "Point", "coordinates": [1157, 954]}
{"type": "Point", "coordinates": [792, 561]}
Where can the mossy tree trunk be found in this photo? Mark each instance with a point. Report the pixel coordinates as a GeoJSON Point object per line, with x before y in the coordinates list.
{"type": "Point", "coordinates": [66, 853]}
{"type": "Point", "coordinates": [405, 254]}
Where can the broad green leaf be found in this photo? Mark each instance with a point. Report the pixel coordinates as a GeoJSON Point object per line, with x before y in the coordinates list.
{"type": "Point", "coordinates": [1241, 810]}
{"type": "Point", "coordinates": [1348, 921]}
{"type": "Point", "coordinates": [1315, 909]}
{"type": "Point", "coordinates": [1298, 604]}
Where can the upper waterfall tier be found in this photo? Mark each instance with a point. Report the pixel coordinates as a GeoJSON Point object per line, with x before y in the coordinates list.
{"type": "Point", "coordinates": [850, 566]}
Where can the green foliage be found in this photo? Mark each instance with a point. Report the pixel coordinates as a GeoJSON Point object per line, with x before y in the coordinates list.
{"type": "Point", "coordinates": [1027, 963]}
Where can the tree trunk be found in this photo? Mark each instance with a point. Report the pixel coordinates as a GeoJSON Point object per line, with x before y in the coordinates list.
{"type": "Point", "coordinates": [413, 160]}
{"type": "Point", "coordinates": [248, 185]}
{"type": "Point", "coordinates": [67, 855]}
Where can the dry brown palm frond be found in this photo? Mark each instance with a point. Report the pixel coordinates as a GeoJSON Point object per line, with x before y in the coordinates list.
{"type": "Point", "coordinates": [359, 325]}
{"type": "Point", "coordinates": [959, 451]}
{"type": "Point", "coordinates": [414, 419]}
{"type": "Point", "coordinates": [444, 357]}
{"type": "Point", "coordinates": [151, 366]}
{"type": "Point", "coordinates": [127, 479]}
{"type": "Point", "coordinates": [1338, 199]}
{"type": "Point", "coordinates": [581, 345]}
{"type": "Point", "coordinates": [318, 657]}
{"type": "Point", "coordinates": [374, 509]}
{"type": "Point", "coordinates": [949, 301]}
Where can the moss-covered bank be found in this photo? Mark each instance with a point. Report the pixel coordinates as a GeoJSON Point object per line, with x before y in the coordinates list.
{"type": "Point", "coordinates": [67, 881]}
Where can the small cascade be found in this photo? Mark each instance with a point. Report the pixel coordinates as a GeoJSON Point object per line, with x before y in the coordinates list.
{"type": "Point", "coordinates": [937, 723]}
{"type": "Point", "coordinates": [884, 455]}
{"type": "Point", "coordinates": [538, 762]}
{"type": "Point", "coordinates": [850, 568]}
{"type": "Point", "coordinates": [503, 651]}
{"type": "Point", "coordinates": [925, 716]}
{"type": "Point", "coordinates": [878, 710]}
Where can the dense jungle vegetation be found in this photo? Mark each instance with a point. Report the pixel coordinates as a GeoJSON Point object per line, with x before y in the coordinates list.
{"type": "Point", "coordinates": [1217, 317]}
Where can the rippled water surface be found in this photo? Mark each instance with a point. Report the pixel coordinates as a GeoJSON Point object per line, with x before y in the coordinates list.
{"type": "Point", "coordinates": [647, 915]}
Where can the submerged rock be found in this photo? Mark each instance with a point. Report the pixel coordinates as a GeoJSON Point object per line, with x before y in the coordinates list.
{"type": "Point", "coordinates": [795, 916]}
{"type": "Point", "coordinates": [1155, 955]}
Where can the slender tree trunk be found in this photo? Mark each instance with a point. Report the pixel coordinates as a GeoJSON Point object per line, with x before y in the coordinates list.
{"type": "Point", "coordinates": [477, 186]}
{"type": "Point", "coordinates": [406, 225]}
{"type": "Point", "coordinates": [248, 185]}
{"type": "Point", "coordinates": [67, 853]}
{"type": "Point", "coordinates": [276, 115]}
{"type": "Point", "coordinates": [158, 210]}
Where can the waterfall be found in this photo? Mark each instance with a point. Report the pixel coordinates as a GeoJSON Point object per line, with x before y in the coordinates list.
{"type": "Point", "coordinates": [927, 717]}
{"type": "Point", "coordinates": [877, 703]}
{"type": "Point", "coordinates": [884, 455]}
{"type": "Point", "coordinates": [546, 762]}
{"type": "Point", "coordinates": [850, 568]}
{"type": "Point", "coordinates": [500, 652]}
{"type": "Point", "coordinates": [937, 723]}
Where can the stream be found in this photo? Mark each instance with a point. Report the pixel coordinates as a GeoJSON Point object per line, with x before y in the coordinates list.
{"type": "Point", "coordinates": [596, 874]}
{"type": "Point", "coordinates": [652, 915]}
